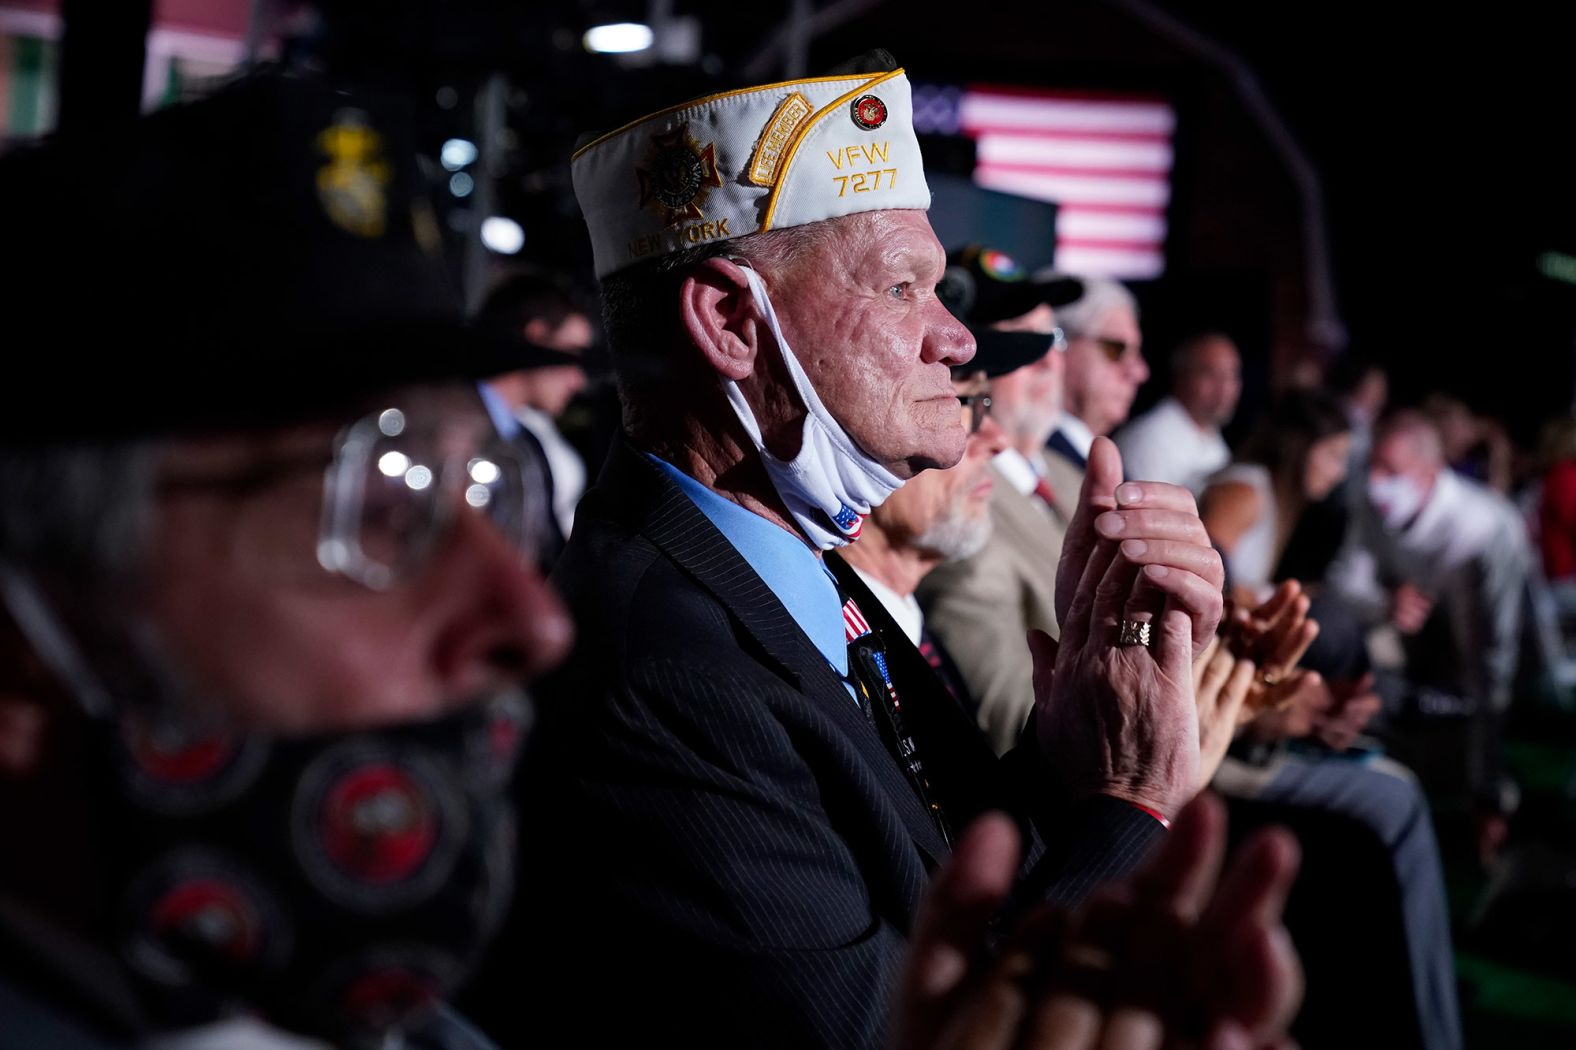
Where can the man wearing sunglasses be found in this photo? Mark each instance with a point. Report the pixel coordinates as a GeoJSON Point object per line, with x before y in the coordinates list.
{"type": "Point", "coordinates": [1105, 367]}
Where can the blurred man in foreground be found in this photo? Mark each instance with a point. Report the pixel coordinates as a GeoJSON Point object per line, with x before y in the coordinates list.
{"type": "Point", "coordinates": [268, 590]}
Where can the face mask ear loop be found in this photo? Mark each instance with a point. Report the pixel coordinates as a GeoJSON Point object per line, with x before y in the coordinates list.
{"type": "Point", "coordinates": [50, 640]}
{"type": "Point", "coordinates": [741, 407]}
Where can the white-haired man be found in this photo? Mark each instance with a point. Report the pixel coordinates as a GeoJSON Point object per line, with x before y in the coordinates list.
{"type": "Point", "coordinates": [1105, 366]}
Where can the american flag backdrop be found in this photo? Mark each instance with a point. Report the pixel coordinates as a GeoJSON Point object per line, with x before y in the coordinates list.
{"type": "Point", "coordinates": [1104, 160]}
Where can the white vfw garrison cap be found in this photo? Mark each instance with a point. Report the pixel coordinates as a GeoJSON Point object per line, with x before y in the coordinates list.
{"type": "Point", "coordinates": [760, 158]}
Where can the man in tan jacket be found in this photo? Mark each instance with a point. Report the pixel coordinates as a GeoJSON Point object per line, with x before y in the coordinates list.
{"type": "Point", "coordinates": [982, 606]}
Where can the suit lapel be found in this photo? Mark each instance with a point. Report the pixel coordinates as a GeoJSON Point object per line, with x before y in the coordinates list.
{"type": "Point", "coordinates": [1064, 448]}
{"type": "Point", "coordinates": [964, 774]}
{"type": "Point", "coordinates": [672, 521]}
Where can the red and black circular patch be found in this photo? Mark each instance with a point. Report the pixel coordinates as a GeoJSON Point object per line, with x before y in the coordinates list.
{"type": "Point", "coordinates": [378, 824]}
{"type": "Point", "coordinates": [193, 908]}
{"type": "Point", "coordinates": [210, 912]}
{"type": "Point", "coordinates": [377, 828]}
{"type": "Point", "coordinates": [385, 985]}
{"type": "Point", "coordinates": [391, 995]}
{"type": "Point", "coordinates": [868, 112]}
{"type": "Point", "coordinates": [182, 770]}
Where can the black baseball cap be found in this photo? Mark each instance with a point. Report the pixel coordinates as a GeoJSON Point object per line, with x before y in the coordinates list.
{"type": "Point", "coordinates": [982, 286]}
{"type": "Point", "coordinates": [257, 256]}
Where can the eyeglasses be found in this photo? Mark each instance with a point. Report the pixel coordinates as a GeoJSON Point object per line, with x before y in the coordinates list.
{"type": "Point", "coordinates": [393, 488]}
{"type": "Point", "coordinates": [1113, 349]}
{"type": "Point", "coordinates": [979, 409]}
{"type": "Point", "coordinates": [1058, 340]}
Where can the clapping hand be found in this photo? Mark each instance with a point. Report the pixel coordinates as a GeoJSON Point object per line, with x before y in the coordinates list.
{"type": "Point", "coordinates": [1177, 956]}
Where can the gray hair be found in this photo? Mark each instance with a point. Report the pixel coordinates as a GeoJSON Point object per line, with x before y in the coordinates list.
{"type": "Point", "coordinates": [77, 514]}
{"type": "Point", "coordinates": [1100, 295]}
{"type": "Point", "coordinates": [640, 308]}
{"type": "Point", "coordinates": [1421, 431]}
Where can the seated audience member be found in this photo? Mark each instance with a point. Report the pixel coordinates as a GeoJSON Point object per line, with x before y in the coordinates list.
{"type": "Point", "coordinates": [1362, 389]}
{"type": "Point", "coordinates": [982, 607]}
{"type": "Point", "coordinates": [1362, 821]}
{"type": "Point", "coordinates": [1368, 835]}
{"type": "Point", "coordinates": [758, 804]}
{"type": "Point", "coordinates": [262, 654]}
{"type": "Point", "coordinates": [1105, 367]}
{"type": "Point", "coordinates": [938, 516]}
{"type": "Point", "coordinates": [941, 516]}
{"type": "Point", "coordinates": [1296, 456]}
{"type": "Point", "coordinates": [268, 593]}
{"type": "Point", "coordinates": [1443, 560]}
{"type": "Point", "coordinates": [543, 312]}
{"type": "Point", "coordinates": [1179, 440]}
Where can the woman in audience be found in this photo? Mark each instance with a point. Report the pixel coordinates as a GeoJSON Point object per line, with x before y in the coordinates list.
{"type": "Point", "coordinates": [1296, 457]}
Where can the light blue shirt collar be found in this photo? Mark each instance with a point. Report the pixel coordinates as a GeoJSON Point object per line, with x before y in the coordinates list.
{"type": "Point", "coordinates": [503, 419]}
{"type": "Point", "coordinates": [783, 561]}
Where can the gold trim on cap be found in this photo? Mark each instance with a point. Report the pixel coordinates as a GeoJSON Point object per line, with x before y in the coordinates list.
{"type": "Point", "coordinates": [804, 130]}
{"type": "Point", "coordinates": [703, 101]}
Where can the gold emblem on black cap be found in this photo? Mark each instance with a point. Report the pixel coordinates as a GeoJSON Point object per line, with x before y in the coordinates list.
{"type": "Point", "coordinates": [353, 185]}
{"type": "Point", "coordinates": [678, 174]}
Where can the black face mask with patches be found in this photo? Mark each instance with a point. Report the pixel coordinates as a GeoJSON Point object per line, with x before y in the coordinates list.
{"type": "Point", "coordinates": [338, 885]}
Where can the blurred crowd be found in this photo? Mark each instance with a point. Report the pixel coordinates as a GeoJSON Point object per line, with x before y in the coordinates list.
{"type": "Point", "coordinates": [893, 681]}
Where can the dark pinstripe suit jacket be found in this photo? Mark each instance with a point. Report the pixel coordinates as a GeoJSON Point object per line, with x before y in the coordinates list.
{"type": "Point", "coordinates": [720, 850]}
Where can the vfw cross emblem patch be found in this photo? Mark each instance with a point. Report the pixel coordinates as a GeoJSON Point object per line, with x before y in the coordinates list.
{"type": "Point", "coordinates": [677, 176]}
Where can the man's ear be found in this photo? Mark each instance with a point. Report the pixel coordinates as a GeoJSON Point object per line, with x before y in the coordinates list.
{"type": "Point", "coordinates": [719, 316]}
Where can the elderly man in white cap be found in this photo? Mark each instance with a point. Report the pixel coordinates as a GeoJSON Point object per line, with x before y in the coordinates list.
{"type": "Point", "coordinates": [745, 787]}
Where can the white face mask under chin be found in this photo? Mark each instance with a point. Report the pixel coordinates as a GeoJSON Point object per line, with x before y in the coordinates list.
{"type": "Point", "coordinates": [831, 484]}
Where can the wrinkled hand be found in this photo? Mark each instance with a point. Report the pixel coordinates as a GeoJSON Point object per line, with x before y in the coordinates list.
{"type": "Point", "coordinates": [1410, 609]}
{"type": "Point", "coordinates": [1221, 683]}
{"type": "Point", "coordinates": [1355, 704]}
{"type": "Point", "coordinates": [1175, 956]}
{"type": "Point", "coordinates": [1158, 528]}
{"type": "Point", "coordinates": [1122, 720]}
